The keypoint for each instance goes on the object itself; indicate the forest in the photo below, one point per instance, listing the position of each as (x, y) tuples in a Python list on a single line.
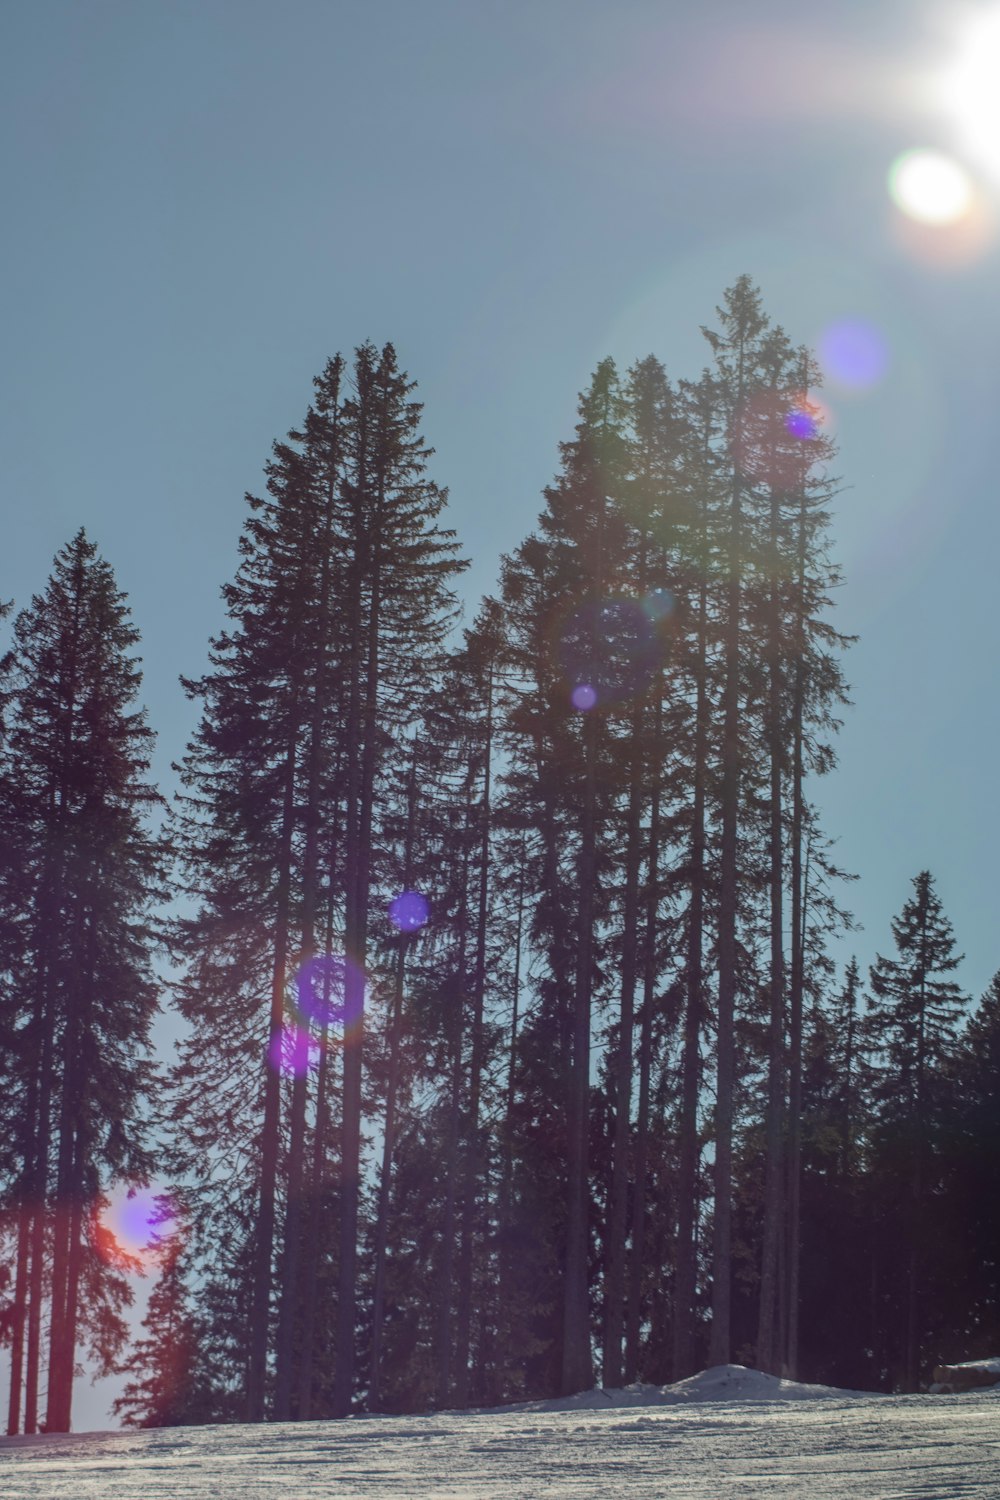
[(515, 1048)]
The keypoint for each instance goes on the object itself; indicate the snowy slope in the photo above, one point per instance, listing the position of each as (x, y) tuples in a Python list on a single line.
[(725, 1435)]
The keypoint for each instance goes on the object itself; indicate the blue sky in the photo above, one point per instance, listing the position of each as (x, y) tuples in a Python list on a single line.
[(202, 201)]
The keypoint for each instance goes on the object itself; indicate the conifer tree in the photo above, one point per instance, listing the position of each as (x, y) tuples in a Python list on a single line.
[(164, 1364), (912, 1024), (80, 872), (338, 614)]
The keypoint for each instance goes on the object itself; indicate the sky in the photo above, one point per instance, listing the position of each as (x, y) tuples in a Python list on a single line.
[(205, 199)]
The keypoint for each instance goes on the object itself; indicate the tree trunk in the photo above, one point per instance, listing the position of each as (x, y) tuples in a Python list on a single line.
[(685, 1279), (637, 1259), (797, 986), (472, 1169), (577, 1364), (260, 1317), (719, 1347), (389, 1126), (769, 1353), (358, 897), (614, 1295), (506, 1190)]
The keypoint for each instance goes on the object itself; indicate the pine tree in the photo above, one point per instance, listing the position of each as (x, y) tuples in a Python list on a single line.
[(164, 1364), (338, 614), (80, 873), (912, 1025), (562, 750), (967, 1191)]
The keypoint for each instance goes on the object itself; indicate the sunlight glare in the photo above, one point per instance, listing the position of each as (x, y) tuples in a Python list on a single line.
[(135, 1215), (931, 187), (970, 89)]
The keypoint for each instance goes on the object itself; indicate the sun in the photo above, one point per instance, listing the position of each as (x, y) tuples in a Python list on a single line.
[(931, 187), (969, 89)]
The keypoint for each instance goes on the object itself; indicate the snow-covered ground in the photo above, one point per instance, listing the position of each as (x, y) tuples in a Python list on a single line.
[(723, 1435)]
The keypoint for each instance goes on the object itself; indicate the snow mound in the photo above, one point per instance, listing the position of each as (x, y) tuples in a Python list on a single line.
[(720, 1383), (992, 1365)]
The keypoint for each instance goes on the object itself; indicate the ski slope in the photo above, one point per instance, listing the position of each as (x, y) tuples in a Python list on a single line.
[(722, 1435)]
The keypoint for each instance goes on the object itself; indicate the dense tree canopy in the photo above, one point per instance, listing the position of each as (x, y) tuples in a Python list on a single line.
[(513, 1054)]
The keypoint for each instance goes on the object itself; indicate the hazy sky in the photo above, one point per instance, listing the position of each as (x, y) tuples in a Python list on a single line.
[(203, 199)]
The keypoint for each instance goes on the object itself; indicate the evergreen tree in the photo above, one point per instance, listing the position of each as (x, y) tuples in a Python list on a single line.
[(80, 871), (338, 614), (912, 1028), (164, 1364)]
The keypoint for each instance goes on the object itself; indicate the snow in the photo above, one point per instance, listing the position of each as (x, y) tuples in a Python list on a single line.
[(726, 1434), (992, 1365)]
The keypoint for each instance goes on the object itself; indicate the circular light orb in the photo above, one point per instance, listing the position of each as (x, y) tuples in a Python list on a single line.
[(409, 911), (658, 604), (293, 1052), (931, 187), (802, 424), (134, 1218), (583, 696), (853, 353), (330, 991)]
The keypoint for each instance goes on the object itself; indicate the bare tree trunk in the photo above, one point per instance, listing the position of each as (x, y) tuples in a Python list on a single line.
[(260, 1317), (472, 1167), (318, 1166), (290, 1291), (18, 1320), (63, 1368), (685, 1279), (444, 1326), (311, 1247), (364, 716), (769, 1352), (797, 971), (720, 1345), (614, 1295), (638, 1246), (506, 1190), (577, 1364), (40, 1185), (24, 1230), (389, 1126)]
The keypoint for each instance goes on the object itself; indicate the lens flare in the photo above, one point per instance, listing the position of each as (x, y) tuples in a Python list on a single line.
[(968, 91), (801, 423), (853, 354), (330, 990), (931, 187), (133, 1218), (293, 1052), (658, 605), (409, 911), (765, 423), (608, 650)]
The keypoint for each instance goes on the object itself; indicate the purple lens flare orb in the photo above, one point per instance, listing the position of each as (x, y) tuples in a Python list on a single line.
[(854, 354), (293, 1052), (409, 911), (802, 424), (136, 1217), (329, 990), (583, 696)]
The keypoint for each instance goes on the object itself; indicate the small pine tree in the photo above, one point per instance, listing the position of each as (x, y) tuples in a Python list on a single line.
[(912, 1027), (165, 1362)]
